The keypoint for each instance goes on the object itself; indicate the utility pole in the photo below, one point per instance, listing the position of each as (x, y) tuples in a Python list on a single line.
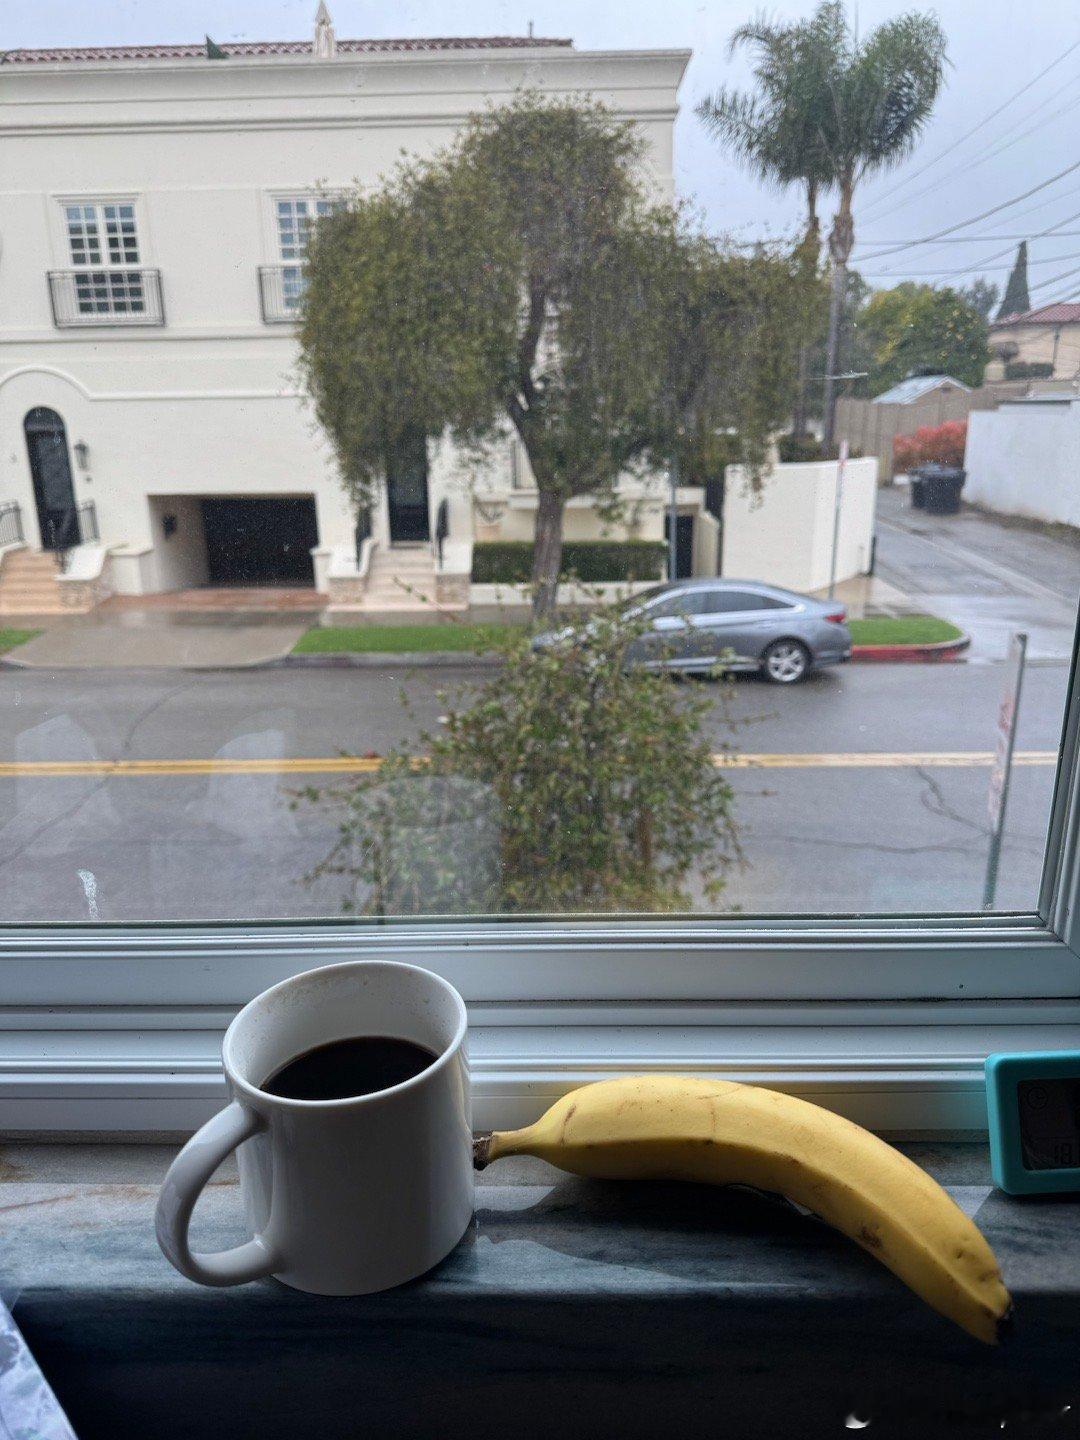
[(838, 500), (1000, 775), (673, 516), (831, 381)]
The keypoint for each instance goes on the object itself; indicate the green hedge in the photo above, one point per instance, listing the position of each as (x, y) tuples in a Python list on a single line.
[(796, 448), (509, 562), (1028, 370)]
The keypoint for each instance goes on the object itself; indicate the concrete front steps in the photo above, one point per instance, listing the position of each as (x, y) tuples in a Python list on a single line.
[(401, 577), (30, 584), (401, 589)]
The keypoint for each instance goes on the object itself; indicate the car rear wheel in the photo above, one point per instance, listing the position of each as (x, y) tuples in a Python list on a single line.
[(786, 662)]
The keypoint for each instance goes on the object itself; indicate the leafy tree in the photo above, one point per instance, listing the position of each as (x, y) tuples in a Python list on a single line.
[(982, 295), (877, 95), (923, 327), (571, 780), (1017, 300), (522, 278), (778, 134), (405, 325)]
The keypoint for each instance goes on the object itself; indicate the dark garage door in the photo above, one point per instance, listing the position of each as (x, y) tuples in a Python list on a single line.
[(260, 540)]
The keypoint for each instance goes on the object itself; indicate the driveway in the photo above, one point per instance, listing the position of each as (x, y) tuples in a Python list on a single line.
[(987, 575)]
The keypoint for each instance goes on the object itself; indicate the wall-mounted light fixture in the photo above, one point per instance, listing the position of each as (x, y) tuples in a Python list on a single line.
[(82, 454)]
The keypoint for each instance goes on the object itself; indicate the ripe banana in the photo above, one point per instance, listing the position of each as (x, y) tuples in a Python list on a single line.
[(671, 1127)]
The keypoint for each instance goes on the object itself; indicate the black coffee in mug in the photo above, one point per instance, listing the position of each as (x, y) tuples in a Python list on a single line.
[(344, 1069)]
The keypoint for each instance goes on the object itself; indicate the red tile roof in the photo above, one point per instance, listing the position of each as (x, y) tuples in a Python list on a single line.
[(273, 47), (1063, 313)]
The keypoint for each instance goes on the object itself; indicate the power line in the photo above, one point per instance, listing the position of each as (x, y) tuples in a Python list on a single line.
[(1028, 210), (985, 214), (914, 175), (989, 154), (1054, 279), (965, 239), (986, 269), (985, 261), (972, 239)]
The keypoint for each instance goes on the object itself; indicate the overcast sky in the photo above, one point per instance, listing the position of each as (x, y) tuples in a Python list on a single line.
[(995, 47)]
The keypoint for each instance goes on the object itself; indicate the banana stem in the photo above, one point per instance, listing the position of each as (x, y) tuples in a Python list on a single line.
[(481, 1149)]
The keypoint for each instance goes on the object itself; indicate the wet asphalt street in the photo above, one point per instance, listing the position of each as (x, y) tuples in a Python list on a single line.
[(822, 830)]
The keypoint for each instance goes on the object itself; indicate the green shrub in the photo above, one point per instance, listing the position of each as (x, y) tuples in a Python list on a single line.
[(1028, 370), (509, 562), (795, 448), (568, 781)]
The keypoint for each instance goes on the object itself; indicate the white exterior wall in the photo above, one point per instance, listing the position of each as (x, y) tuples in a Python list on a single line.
[(784, 536), (208, 404), (1024, 459)]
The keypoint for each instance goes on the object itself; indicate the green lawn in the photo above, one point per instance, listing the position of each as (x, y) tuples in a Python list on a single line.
[(902, 630), (393, 639), (10, 638), (409, 639)]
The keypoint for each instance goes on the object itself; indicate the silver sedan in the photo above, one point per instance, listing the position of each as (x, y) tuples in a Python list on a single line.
[(739, 625)]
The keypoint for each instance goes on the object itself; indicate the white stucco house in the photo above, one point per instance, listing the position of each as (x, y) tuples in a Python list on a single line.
[(155, 206)]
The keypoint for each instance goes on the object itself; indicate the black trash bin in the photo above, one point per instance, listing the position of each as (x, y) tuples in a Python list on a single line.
[(918, 489), (941, 486)]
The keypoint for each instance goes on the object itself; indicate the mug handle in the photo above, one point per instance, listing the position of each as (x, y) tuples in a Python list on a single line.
[(184, 1182)]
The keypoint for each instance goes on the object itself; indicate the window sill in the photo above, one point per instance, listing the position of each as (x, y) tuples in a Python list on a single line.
[(902, 1069), (571, 1309)]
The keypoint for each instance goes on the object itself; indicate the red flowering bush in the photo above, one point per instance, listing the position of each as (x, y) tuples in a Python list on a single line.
[(937, 444), (905, 453)]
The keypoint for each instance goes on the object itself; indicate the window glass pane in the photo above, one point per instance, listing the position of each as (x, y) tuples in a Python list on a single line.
[(687, 602), (86, 223), (515, 381), (719, 601)]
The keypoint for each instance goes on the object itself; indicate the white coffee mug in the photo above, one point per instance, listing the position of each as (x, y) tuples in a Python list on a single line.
[(344, 1197)]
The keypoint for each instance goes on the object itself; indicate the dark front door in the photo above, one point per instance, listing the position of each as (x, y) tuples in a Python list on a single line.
[(50, 468), (260, 540), (684, 544), (407, 489)]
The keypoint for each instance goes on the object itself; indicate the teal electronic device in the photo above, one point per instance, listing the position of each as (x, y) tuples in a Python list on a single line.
[(1033, 1109)]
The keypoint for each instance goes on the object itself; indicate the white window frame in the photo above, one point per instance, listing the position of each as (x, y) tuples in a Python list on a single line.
[(121, 301), (886, 1020), (275, 249)]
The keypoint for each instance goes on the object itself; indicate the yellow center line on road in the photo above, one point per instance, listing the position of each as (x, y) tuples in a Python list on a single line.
[(363, 765)]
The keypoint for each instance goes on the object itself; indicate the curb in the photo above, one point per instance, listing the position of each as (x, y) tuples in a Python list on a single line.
[(939, 652), (382, 660)]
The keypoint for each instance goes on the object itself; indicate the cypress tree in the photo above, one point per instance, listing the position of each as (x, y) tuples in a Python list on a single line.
[(1017, 301)]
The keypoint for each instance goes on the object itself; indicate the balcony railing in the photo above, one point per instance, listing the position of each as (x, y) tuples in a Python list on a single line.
[(11, 531), (281, 292), (106, 297)]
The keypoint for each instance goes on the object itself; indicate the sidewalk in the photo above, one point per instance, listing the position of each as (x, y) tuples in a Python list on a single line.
[(988, 575), (159, 642)]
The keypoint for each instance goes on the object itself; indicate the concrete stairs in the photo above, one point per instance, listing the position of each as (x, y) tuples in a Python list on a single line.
[(29, 583), (401, 578)]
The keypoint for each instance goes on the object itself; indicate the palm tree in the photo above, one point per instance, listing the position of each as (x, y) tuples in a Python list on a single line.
[(778, 132), (831, 110), (880, 92)]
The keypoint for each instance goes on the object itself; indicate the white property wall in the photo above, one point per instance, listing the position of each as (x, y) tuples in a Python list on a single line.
[(1024, 459), (207, 404), (784, 536)]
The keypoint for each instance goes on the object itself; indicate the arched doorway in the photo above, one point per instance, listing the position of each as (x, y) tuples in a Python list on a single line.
[(50, 467)]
